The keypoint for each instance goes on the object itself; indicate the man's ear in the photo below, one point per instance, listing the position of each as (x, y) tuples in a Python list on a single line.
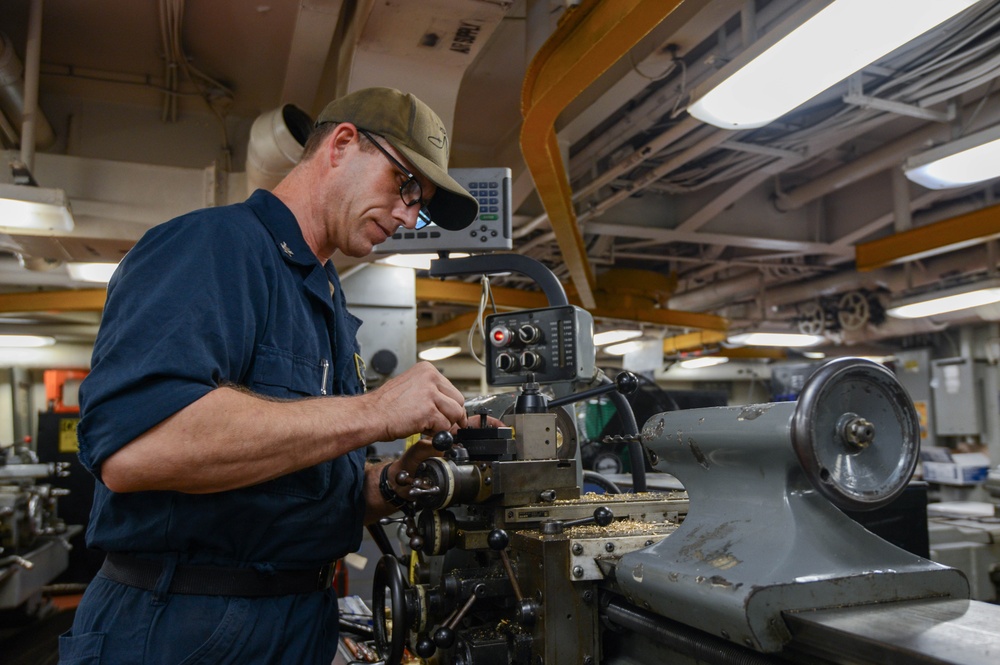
[(339, 141)]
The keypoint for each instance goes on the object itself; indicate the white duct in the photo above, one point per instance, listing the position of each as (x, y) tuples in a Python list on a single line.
[(12, 95), (277, 139)]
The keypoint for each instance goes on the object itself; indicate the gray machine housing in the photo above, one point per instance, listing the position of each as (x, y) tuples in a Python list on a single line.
[(489, 232)]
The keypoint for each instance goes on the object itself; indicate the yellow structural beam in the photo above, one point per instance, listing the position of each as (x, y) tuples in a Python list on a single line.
[(694, 340), (590, 39), (460, 323), (944, 236), (463, 293), (663, 317), (83, 300)]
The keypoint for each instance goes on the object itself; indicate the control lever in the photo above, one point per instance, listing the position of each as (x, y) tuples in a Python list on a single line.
[(444, 636), (527, 609), (625, 382), (602, 517)]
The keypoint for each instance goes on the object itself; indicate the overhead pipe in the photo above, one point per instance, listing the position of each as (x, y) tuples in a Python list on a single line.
[(893, 279), (592, 37), (876, 161), (13, 92), (32, 58)]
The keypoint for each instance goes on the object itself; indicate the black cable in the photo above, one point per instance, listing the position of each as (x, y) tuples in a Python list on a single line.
[(595, 478)]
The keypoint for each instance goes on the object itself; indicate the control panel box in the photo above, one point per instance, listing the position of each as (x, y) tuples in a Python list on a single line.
[(490, 232), (553, 344)]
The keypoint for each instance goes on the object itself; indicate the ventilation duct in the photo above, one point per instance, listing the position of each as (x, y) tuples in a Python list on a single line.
[(277, 139)]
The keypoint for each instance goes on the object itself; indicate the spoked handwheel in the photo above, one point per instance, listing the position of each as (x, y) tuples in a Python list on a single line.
[(389, 642)]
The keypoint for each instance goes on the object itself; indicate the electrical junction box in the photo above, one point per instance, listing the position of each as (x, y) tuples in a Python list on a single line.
[(957, 385), (553, 344), (490, 232)]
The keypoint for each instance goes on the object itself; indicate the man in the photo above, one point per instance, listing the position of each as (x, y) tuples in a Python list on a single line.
[(225, 417)]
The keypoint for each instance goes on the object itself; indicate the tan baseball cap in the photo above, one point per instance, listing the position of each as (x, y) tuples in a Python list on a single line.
[(412, 128)]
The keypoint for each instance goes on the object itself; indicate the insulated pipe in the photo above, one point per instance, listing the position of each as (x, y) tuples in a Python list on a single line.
[(12, 96)]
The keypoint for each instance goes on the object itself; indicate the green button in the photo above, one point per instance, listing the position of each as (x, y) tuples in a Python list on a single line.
[(489, 218)]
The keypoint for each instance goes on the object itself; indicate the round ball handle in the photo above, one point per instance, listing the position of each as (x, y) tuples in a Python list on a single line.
[(388, 575), (443, 441), (626, 383), (444, 637), (425, 647), (498, 539), (603, 516)]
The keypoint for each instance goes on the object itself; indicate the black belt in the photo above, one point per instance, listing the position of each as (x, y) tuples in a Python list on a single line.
[(213, 580)]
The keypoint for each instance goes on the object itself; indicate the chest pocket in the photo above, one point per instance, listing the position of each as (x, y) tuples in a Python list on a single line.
[(284, 375)]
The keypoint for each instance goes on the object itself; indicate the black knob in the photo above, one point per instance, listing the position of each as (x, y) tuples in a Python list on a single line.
[(425, 647), (528, 334), (626, 383), (444, 637), (498, 540), (442, 441), (603, 516), (506, 362), (530, 360)]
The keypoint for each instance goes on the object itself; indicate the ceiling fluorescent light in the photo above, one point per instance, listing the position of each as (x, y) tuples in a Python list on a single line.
[(946, 300), (614, 336), (968, 160), (416, 261), (623, 348), (35, 208), (839, 40), (775, 339), (704, 361), (439, 352), (25, 341), (91, 272)]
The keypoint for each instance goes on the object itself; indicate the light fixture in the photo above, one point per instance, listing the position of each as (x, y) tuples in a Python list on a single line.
[(703, 361), (36, 208), (953, 299), (614, 336), (787, 68), (775, 339), (25, 341), (91, 272), (416, 261), (439, 352), (968, 160), (622, 348)]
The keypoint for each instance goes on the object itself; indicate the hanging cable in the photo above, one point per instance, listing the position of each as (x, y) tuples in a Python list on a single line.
[(485, 298)]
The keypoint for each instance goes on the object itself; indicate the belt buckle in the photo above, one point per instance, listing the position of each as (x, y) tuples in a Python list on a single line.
[(325, 578)]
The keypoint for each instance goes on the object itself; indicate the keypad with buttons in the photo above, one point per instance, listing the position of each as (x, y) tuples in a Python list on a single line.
[(490, 231)]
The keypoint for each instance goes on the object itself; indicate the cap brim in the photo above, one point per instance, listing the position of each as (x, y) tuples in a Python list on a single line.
[(452, 207)]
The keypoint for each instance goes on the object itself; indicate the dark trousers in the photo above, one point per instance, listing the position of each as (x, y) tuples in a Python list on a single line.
[(120, 624)]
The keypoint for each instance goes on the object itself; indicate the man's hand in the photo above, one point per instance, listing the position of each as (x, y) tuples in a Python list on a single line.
[(418, 400)]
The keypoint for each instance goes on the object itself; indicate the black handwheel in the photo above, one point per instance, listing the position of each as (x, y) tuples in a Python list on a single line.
[(388, 575)]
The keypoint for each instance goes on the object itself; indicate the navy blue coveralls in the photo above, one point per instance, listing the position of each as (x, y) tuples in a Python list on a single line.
[(229, 295)]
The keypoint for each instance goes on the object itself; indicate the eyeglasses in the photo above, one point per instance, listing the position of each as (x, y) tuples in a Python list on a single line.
[(410, 191)]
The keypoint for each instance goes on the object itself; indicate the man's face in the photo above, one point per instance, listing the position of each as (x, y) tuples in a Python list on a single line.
[(385, 184)]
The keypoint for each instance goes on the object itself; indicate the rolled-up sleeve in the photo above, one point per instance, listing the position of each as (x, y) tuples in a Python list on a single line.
[(180, 320)]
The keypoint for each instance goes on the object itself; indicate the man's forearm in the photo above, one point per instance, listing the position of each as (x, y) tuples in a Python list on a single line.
[(230, 439)]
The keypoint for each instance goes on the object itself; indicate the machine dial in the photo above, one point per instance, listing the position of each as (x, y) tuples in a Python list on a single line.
[(506, 362), (530, 360), (528, 334)]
